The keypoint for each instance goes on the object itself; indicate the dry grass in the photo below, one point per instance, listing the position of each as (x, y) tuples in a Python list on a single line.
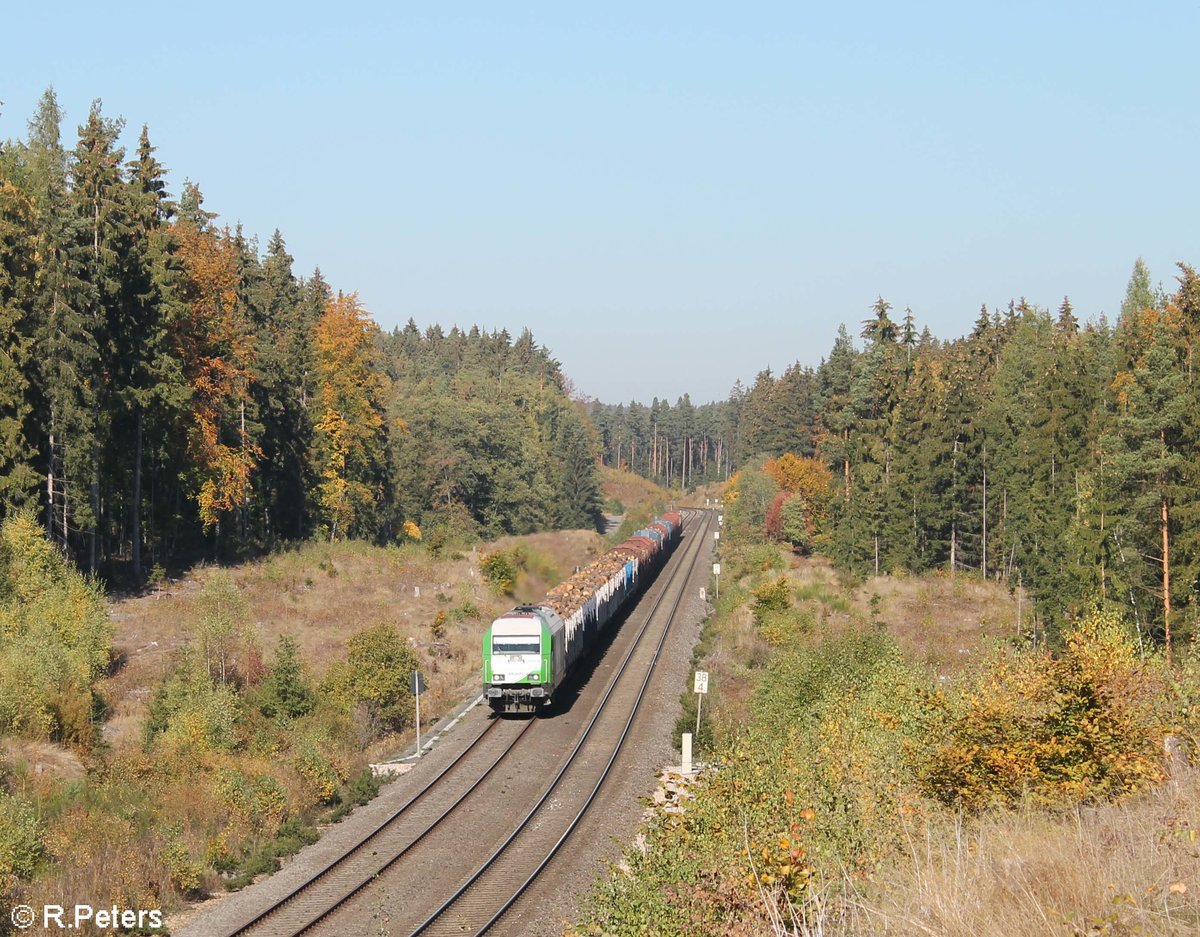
[(629, 488), (43, 760), (940, 620), (703, 496), (321, 594), (1126, 868)]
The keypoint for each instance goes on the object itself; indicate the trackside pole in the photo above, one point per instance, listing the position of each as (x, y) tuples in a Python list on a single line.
[(418, 687)]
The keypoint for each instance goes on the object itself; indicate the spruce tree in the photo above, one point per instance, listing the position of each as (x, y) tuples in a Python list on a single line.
[(66, 350), (18, 476)]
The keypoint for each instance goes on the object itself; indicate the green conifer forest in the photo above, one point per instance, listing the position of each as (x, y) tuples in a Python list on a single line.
[(1050, 454), (170, 391)]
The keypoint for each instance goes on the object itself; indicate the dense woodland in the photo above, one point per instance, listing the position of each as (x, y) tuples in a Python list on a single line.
[(1060, 456), (169, 392)]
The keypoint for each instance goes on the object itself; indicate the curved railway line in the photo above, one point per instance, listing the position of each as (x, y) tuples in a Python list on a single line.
[(400, 860)]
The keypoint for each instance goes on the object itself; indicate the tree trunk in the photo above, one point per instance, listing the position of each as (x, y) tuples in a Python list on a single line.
[(983, 565), (50, 484), (953, 546), (94, 493), (1166, 576), (136, 518), (846, 461)]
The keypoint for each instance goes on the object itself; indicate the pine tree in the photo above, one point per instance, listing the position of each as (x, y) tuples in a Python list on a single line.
[(18, 476), (1139, 293), (150, 390), (66, 351), (1149, 458)]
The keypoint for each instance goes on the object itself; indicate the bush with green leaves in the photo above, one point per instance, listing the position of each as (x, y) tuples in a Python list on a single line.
[(376, 676), (21, 840), (818, 784), (499, 569), (55, 638), (189, 712)]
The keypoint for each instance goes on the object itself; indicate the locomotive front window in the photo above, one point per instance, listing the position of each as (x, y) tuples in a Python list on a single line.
[(517, 644)]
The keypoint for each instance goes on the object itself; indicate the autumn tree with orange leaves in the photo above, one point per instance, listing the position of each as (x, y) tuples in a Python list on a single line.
[(805, 491), (216, 351)]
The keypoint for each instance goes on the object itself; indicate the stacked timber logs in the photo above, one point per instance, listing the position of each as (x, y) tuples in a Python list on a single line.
[(570, 595), (643, 548)]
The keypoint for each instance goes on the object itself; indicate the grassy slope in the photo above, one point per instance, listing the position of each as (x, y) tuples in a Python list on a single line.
[(1111, 868), (321, 594), (631, 489)]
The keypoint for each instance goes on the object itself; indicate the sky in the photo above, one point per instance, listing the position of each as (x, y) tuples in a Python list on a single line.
[(672, 196)]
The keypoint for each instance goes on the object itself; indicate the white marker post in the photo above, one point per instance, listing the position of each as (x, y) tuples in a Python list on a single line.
[(418, 687), (717, 573), (701, 689)]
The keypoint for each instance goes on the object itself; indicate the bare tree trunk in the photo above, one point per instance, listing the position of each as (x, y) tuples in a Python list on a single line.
[(50, 484), (983, 566), (136, 519), (953, 546), (1166, 576), (846, 461), (93, 556)]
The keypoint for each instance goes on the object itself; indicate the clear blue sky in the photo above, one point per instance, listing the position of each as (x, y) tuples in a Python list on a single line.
[(673, 195)]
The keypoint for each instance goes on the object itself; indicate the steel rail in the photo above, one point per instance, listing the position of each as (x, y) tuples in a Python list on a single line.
[(684, 571), (380, 828), (262, 919)]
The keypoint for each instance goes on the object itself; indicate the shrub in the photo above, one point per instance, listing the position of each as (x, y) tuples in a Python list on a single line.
[(376, 674), (184, 874), (773, 596), (467, 611), (258, 803), (189, 713), (55, 638), (499, 570), (1080, 726), (21, 840), (320, 774)]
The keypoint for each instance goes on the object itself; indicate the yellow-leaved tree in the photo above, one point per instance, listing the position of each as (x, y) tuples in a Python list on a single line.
[(350, 425), (1087, 723)]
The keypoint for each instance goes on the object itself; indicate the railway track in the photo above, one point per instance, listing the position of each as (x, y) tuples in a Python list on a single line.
[(504, 876), (390, 840), (508, 760)]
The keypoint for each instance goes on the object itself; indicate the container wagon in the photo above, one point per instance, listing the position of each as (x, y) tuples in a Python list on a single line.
[(529, 651)]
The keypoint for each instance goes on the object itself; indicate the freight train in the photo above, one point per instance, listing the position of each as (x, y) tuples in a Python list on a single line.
[(529, 651)]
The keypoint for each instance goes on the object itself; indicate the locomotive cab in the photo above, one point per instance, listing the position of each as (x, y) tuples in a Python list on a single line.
[(518, 672)]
